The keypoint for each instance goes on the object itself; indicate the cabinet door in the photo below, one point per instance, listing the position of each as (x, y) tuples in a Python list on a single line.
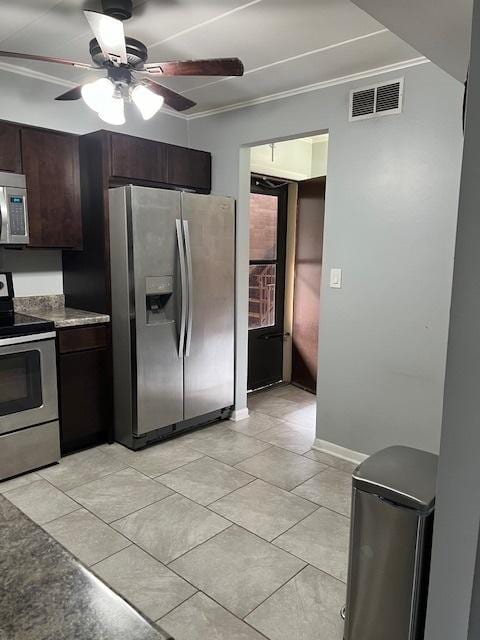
[(52, 168), (10, 153), (138, 159), (85, 398), (189, 168)]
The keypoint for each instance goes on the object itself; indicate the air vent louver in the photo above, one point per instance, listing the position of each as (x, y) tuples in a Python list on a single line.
[(377, 100), (363, 103)]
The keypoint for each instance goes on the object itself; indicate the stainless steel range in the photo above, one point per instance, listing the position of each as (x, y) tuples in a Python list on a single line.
[(29, 428)]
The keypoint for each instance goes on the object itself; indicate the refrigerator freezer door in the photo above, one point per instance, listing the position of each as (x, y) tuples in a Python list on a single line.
[(159, 369), (209, 365)]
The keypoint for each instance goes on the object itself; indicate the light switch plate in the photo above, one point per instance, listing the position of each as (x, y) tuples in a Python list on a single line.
[(336, 278)]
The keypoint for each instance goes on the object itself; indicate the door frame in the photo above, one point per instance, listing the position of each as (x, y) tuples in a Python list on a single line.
[(281, 192)]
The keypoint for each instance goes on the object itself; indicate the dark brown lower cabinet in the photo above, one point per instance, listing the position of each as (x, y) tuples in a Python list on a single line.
[(84, 386)]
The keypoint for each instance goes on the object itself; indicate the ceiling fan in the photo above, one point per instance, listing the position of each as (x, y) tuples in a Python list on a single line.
[(129, 76)]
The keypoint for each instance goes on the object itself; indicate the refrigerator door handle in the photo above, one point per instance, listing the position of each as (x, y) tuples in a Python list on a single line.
[(183, 280), (188, 252)]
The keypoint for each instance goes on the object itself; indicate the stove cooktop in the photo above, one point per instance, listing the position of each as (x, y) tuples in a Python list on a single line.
[(18, 324)]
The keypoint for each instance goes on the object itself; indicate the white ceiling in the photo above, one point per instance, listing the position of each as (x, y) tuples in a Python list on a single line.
[(440, 29), (285, 44)]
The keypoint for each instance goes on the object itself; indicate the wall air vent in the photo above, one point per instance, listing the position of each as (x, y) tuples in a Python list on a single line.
[(377, 100)]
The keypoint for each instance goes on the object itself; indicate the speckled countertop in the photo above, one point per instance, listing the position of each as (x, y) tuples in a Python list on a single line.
[(47, 593), (53, 308)]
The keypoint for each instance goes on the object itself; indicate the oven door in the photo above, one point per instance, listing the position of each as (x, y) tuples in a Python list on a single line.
[(28, 381)]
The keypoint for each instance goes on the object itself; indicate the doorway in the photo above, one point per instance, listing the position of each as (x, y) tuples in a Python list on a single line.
[(287, 205)]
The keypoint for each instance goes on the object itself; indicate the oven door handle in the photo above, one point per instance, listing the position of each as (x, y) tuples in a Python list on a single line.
[(7, 342)]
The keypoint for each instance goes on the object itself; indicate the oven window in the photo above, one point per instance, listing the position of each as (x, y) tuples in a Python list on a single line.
[(20, 382)]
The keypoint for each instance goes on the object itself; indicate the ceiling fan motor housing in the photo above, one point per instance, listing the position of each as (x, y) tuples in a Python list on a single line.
[(137, 53), (120, 9)]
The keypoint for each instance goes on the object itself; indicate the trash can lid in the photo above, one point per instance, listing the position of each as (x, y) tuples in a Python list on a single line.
[(403, 475)]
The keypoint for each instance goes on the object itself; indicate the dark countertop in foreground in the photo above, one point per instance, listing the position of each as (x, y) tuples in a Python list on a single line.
[(47, 594)]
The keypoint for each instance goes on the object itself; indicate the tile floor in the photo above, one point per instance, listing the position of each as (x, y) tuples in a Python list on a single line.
[(238, 531)]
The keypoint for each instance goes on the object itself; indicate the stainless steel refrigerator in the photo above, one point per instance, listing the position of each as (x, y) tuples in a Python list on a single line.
[(172, 276)]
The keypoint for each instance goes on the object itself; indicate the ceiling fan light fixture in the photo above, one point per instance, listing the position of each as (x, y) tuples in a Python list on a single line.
[(113, 111), (97, 94), (147, 102)]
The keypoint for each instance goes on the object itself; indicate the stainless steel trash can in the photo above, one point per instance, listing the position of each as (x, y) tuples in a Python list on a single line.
[(390, 545)]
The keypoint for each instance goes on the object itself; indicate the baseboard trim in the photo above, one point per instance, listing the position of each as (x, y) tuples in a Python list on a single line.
[(339, 452), (239, 414)]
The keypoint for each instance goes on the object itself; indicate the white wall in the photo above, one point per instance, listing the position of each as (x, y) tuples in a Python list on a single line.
[(300, 159), (35, 271), (391, 207), (30, 101)]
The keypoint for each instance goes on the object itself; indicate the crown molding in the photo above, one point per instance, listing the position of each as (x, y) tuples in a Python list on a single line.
[(36, 75), (317, 86)]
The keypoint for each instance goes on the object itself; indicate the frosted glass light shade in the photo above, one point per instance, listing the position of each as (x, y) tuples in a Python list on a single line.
[(148, 103), (113, 111), (97, 94)]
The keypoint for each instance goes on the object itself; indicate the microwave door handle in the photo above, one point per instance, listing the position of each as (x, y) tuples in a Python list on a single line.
[(3, 217), (188, 252), (183, 280)]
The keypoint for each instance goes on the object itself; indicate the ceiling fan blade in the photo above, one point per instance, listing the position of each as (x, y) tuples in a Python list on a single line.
[(109, 34), (29, 56), (172, 98), (210, 67), (72, 94)]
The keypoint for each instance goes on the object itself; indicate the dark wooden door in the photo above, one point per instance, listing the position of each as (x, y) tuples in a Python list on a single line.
[(268, 230), (10, 151), (52, 168), (138, 159), (308, 272)]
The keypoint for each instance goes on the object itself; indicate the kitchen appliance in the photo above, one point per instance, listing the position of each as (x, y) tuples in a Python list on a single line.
[(13, 209), (172, 275), (29, 428)]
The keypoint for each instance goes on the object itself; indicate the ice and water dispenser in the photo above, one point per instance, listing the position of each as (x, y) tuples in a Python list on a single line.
[(160, 299)]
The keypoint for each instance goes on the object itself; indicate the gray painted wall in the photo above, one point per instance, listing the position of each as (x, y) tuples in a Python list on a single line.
[(391, 205), (457, 516)]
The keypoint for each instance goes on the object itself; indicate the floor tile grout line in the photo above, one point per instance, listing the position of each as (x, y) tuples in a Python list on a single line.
[(170, 495), (239, 526), (110, 473), (206, 506), (319, 506), (276, 590), (110, 586), (204, 455), (313, 565), (217, 603), (231, 524), (210, 455)]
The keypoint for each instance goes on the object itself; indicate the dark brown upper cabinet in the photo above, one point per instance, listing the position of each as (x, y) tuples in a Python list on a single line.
[(10, 150), (138, 159), (144, 160), (52, 168), (189, 168)]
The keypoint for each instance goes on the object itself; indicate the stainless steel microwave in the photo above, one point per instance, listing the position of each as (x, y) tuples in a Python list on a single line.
[(13, 209)]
